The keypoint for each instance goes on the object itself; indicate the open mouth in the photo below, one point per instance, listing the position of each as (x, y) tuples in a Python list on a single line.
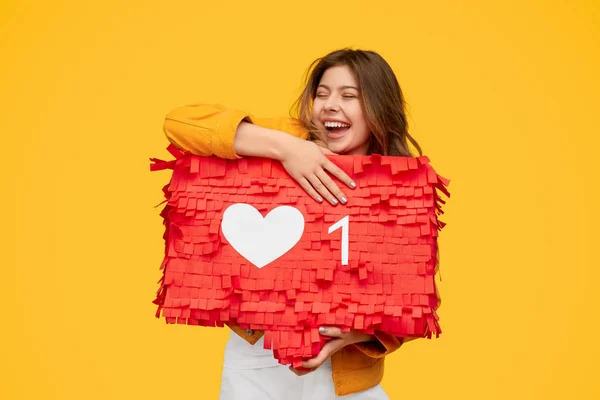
[(336, 129)]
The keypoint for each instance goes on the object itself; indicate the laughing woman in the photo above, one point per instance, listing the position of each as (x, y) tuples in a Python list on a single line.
[(351, 104)]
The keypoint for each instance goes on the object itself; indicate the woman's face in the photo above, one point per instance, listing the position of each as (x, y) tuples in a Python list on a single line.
[(337, 110)]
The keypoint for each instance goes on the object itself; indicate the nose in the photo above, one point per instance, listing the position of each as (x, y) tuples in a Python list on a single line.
[(332, 104)]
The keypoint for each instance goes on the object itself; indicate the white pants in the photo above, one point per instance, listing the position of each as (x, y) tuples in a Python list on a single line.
[(252, 373)]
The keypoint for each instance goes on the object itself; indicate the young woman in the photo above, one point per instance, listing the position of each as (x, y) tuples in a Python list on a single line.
[(352, 104)]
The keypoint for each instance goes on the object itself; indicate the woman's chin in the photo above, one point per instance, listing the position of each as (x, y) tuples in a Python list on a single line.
[(339, 147), (337, 150), (348, 149)]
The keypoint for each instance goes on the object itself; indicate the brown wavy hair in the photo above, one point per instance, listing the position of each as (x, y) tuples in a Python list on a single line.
[(380, 95)]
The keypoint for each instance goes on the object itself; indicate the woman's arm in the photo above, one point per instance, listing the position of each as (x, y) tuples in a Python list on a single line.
[(377, 345), (259, 141), (208, 130)]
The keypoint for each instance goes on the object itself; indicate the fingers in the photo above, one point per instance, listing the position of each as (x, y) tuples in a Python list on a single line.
[(327, 351), (339, 174), (316, 182), (331, 186), (330, 331), (301, 372), (309, 167), (305, 184), (348, 337), (331, 347)]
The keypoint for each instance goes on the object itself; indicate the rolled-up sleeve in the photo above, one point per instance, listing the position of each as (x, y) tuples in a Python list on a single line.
[(204, 130), (382, 346)]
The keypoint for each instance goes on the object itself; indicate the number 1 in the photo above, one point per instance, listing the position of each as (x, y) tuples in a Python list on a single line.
[(343, 223)]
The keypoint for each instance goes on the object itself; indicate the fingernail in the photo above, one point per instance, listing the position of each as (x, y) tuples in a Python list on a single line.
[(322, 330), (319, 199), (352, 185), (334, 200), (344, 199)]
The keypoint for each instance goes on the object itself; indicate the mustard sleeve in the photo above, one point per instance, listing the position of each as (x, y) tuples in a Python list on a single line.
[(209, 129), (204, 130), (383, 345)]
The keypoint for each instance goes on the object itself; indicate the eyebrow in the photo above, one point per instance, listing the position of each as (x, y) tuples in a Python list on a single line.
[(341, 87)]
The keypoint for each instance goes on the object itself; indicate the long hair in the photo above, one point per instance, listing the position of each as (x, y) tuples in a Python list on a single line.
[(380, 95)]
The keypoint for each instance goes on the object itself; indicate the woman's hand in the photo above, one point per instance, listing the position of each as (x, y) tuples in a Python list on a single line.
[(342, 339), (306, 163)]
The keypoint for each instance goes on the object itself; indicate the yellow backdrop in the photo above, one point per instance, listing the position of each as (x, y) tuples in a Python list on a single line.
[(503, 98)]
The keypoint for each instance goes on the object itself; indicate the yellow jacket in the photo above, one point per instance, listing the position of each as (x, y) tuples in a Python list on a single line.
[(209, 130)]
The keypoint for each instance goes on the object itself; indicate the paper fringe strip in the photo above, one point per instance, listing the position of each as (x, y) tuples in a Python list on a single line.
[(387, 286)]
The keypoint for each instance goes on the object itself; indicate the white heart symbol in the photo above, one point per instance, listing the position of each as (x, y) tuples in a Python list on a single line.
[(262, 240)]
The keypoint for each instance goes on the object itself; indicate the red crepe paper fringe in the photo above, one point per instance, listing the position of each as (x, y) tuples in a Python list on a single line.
[(388, 285)]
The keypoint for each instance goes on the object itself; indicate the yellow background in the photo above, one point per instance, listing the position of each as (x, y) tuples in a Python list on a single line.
[(503, 98)]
